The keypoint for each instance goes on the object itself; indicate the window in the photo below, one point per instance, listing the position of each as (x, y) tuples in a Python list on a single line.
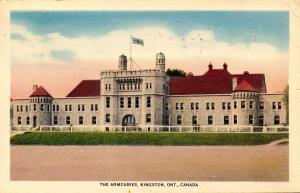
[(235, 119), (129, 102), (137, 102), (54, 108), (19, 120), (68, 120), (148, 118), (194, 120), (229, 106), (276, 120), (261, 105), (96, 107), (251, 105), (42, 107), (146, 85), (107, 102), (150, 85), (207, 106), (28, 120), (21, 108), (167, 119), (107, 118), (176, 106), (92, 107), (197, 106), (121, 102), (48, 107), (26, 108), (34, 107), (55, 120), (80, 120), (82, 107), (210, 120), (78, 107), (223, 106), (261, 120), (279, 105), (178, 119), (274, 105), (243, 104), (148, 102), (212, 106), (166, 106), (181, 106), (66, 107), (250, 119), (17, 108), (94, 120), (234, 104), (192, 106), (226, 120)]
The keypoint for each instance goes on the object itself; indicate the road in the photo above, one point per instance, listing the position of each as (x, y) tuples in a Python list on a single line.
[(200, 163)]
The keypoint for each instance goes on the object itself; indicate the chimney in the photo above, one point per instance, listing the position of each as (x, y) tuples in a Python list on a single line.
[(34, 87), (234, 83), (225, 66), (210, 66)]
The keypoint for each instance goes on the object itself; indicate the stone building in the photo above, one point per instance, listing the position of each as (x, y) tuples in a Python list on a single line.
[(146, 99)]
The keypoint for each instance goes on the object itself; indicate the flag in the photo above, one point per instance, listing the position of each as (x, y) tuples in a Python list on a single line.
[(137, 41)]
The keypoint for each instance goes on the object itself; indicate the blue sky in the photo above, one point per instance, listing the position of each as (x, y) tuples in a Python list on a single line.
[(61, 43), (270, 27)]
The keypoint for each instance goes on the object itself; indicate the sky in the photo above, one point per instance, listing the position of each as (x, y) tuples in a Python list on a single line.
[(59, 49)]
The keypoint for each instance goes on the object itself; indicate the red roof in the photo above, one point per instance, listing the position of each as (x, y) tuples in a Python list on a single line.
[(86, 88), (217, 72), (40, 92), (214, 81), (245, 86)]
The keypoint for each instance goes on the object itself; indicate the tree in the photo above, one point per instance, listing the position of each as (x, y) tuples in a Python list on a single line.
[(286, 102), (286, 96), (176, 72)]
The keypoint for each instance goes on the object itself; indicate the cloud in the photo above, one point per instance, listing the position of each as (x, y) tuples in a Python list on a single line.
[(197, 43), (62, 55), (191, 52)]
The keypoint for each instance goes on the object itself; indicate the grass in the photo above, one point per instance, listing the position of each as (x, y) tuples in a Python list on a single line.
[(106, 138)]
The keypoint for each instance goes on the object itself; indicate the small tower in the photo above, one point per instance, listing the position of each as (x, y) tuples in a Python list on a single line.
[(160, 61), (122, 62), (41, 103)]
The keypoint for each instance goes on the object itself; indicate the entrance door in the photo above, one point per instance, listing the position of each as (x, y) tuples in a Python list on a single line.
[(34, 121), (129, 120)]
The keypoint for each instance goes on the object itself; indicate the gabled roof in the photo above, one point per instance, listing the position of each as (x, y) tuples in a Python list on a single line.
[(40, 92), (86, 88), (214, 81), (245, 86)]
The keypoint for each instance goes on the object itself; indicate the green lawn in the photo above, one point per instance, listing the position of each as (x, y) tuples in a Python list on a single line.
[(106, 138)]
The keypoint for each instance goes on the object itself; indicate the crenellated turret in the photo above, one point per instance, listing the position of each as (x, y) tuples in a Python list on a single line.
[(160, 61), (122, 62)]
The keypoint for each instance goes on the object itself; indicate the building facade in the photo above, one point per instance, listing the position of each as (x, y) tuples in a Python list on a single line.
[(144, 99)]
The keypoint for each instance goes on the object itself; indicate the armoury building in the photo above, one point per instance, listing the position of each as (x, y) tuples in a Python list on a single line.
[(145, 99)]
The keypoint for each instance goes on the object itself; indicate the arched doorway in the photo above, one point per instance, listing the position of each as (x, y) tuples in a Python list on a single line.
[(129, 120)]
